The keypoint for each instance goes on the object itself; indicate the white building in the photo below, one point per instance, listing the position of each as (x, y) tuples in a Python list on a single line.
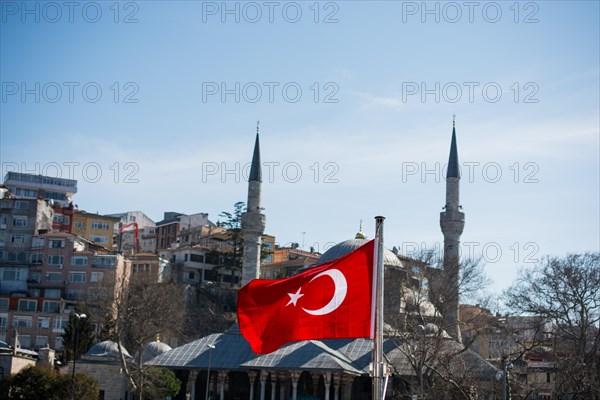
[(146, 232)]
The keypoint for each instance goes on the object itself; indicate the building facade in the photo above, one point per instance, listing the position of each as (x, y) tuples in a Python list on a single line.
[(30, 186), (128, 240), (168, 230), (36, 299), (95, 227)]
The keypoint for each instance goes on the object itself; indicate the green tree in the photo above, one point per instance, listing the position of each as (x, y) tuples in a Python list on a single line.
[(36, 383), (161, 383), (81, 327), (233, 224), (82, 388), (233, 258), (32, 383)]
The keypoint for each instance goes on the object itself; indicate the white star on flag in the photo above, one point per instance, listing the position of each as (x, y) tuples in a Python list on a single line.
[(294, 297)]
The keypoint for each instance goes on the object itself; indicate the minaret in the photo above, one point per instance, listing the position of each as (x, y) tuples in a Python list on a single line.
[(253, 222), (452, 222)]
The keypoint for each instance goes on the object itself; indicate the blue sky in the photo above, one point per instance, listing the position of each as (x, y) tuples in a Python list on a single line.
[(355, 101)]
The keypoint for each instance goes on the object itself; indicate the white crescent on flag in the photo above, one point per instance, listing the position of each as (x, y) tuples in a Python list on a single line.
[(341, 288)]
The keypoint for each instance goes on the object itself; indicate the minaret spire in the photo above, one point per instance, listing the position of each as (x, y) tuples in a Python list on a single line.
[(253, 221), (255, 170), (452, 222), (453, 167)]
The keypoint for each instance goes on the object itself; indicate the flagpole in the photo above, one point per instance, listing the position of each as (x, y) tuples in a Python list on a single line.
[(378, 336)]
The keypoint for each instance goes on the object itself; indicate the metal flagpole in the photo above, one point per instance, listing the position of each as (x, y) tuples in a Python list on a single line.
[(378, 335)]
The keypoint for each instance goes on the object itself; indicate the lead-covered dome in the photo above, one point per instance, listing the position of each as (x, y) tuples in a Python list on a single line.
[(153, 349), (345, 247), (107, 348)]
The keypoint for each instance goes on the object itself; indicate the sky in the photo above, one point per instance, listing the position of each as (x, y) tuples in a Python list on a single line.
[(153, 106)]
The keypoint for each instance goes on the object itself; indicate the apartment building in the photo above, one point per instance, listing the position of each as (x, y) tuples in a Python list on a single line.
[(95, 227), (168, 230), (20, 221), (35, 299), (125, 232), (31, 186)]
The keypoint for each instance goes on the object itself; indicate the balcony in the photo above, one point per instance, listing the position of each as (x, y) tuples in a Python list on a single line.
[(47, 284)]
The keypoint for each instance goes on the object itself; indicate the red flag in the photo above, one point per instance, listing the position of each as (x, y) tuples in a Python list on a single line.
[(331, 300)]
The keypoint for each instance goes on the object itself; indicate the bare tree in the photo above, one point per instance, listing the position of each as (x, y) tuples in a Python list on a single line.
[(138, 308), (441, 366), (566, 292)]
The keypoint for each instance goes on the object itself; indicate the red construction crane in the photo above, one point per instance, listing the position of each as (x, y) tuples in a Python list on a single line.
[(137, 234)]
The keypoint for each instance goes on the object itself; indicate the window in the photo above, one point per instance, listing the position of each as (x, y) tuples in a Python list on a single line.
[(51, 306), (79, 260), (16, 256), (77, 277), (56, 243), (19, 221), (74, 294), (55, 260), (37, 242), (25, 192), (59, 323), (185, 257), (99, 225), (197, 258), (12, 274), (43, 322), (34, 277), (191, 276), (96, 276), (4, 304), (132, 218), (80, 224), (58, 343), (41, 341), (52, 293), (3, 321), (27, 305), (99, 239), (17, 238), (54, 277), (25, 341), (21, 321), (104, 261), (57, 218), (37, 258)]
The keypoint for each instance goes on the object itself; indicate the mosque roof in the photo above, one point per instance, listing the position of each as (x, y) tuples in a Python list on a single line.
[(106, 349), (153, 349), (351, 356), (345, 247)]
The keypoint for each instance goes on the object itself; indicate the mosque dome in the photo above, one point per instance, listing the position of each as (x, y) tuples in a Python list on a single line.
[(345, 247), (153, 349), (107, 348)]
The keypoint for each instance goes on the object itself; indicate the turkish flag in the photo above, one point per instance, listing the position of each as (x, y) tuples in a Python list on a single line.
[(331, 300)]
